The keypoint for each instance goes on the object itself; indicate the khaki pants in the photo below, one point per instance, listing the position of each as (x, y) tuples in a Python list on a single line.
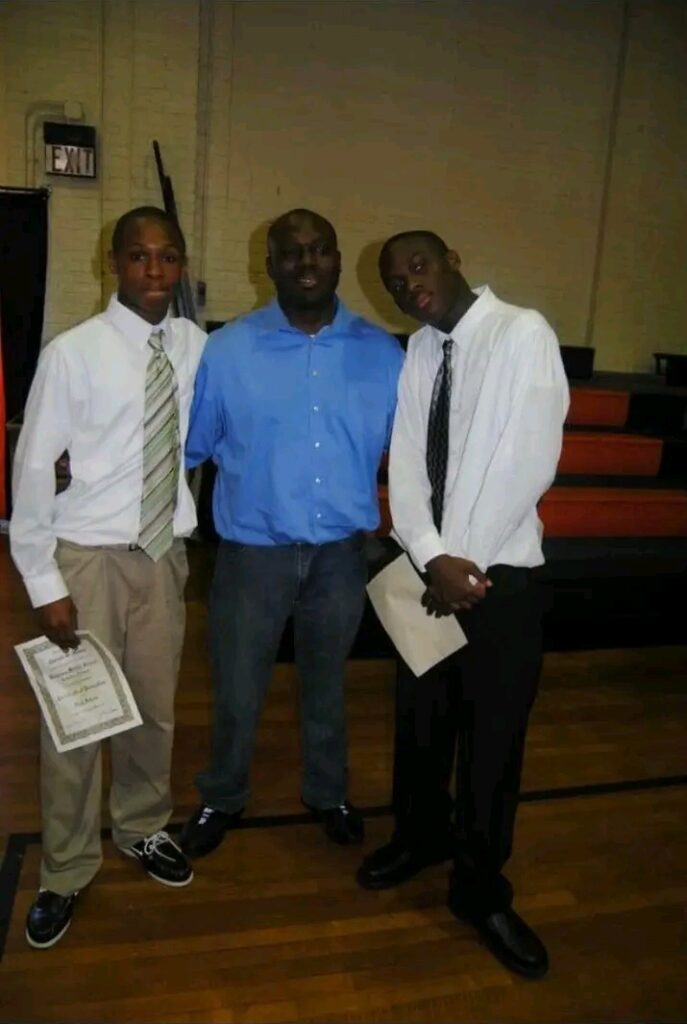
[(136, 607)]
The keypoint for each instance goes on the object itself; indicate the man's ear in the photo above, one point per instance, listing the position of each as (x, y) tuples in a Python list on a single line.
[(268, 267), (453, 259), (112, 262)]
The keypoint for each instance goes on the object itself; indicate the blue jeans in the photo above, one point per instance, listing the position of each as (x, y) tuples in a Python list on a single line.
[(254, 591)]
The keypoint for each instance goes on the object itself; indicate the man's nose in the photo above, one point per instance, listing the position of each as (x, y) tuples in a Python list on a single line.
[(154, 267)]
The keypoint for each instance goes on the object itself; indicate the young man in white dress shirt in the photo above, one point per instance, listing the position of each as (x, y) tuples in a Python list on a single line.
[(108, 555), (476, 442)]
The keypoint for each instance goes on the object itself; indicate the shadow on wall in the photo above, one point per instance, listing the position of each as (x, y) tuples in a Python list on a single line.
[(257, 273), (386, 313), (100, 267), (367, 272)]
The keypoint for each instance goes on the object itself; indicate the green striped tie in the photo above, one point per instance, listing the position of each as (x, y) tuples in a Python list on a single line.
[(161, 453)]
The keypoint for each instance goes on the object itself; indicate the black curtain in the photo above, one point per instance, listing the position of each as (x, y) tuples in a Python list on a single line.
[(23, 265)]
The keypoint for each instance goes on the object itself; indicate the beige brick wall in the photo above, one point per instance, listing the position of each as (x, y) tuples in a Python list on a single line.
[(484, 121), (150, 56), (642, 302), (4, 147), (487, 121), (52, 55), (132, 64)]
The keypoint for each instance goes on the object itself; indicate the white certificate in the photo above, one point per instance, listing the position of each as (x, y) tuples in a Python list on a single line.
[(82, 694), (422, 640)]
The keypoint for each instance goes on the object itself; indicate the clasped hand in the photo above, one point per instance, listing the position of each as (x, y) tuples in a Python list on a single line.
[(455, 584)]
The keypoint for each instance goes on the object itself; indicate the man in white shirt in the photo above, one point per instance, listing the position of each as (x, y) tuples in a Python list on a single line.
[(108, 555), (476, 442)]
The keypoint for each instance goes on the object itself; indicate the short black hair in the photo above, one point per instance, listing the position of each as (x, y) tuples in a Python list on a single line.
[(285, 220), (147, 213), (437, 243)]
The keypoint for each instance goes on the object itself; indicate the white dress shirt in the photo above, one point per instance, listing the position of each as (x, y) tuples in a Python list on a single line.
[(508, 402), (88, 397)]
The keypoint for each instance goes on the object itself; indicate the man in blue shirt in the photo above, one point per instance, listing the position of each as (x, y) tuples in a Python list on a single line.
[(294, 403)]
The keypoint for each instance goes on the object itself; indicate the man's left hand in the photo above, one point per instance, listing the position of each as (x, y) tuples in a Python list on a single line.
[(435, 606)]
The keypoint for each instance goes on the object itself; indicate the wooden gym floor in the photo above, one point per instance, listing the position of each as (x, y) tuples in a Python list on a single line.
[(274, 927)]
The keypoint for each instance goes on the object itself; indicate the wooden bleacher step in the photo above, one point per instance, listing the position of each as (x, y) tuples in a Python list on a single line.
[(599, 512), (613, 482), (614, 512), (594, 452), (611, 454), (594, 407)]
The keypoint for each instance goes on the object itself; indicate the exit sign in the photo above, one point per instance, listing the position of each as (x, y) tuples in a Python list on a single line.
[(69, 149)]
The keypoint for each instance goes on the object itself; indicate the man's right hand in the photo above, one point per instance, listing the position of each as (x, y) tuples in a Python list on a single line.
[(59, 622), (450, 579)]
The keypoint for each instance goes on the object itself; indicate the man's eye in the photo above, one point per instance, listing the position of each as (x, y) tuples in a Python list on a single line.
[(322, 250), (136, 257), (418, 266), (397, 287), (170, 257)]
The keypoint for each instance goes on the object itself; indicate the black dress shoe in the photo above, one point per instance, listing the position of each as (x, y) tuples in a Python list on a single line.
[(205, 830), (342, 824), (510, 940), (49, 918), (395, 863)]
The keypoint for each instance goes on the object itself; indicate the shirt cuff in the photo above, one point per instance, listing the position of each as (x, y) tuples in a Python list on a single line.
[(46, 588), (426, 548)]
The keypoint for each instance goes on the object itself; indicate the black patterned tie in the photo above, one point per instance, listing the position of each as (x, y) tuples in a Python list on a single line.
[(437, 434)]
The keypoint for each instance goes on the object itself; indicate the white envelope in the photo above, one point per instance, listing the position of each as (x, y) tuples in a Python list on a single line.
[(422, 640)]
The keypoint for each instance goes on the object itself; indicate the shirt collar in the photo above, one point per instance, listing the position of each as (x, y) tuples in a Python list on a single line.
[(130, 324), (274, 320), (462, 333)]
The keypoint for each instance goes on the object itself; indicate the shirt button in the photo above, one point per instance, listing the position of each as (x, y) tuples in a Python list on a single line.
[(317, 480), (315, 408), (318, 516), (314, 373), (317, 444)]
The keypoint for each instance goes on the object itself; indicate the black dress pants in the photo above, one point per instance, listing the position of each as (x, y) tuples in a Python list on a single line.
[(473, 709)]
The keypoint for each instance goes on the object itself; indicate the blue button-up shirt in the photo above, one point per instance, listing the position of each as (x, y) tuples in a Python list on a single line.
[(295, 424)]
